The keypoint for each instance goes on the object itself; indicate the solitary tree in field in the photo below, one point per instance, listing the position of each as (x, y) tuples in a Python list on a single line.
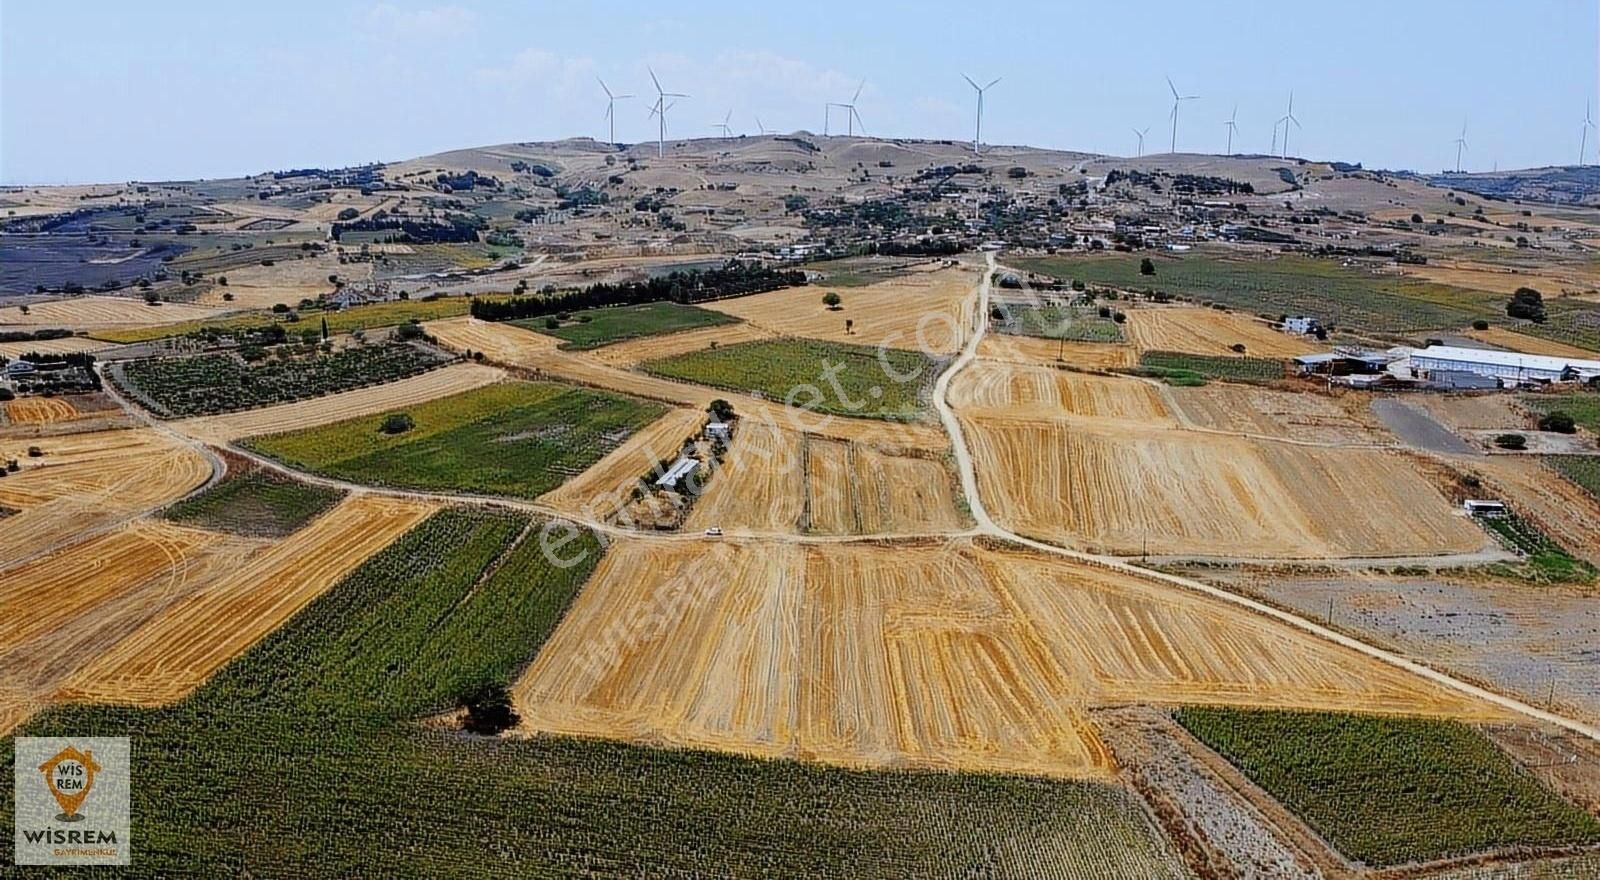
[(489, 709), (1146, 267), (831, 300), (1527, 304), (396, 423)]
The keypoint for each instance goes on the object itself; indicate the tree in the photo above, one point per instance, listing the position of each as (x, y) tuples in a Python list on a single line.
[(1511, 441), (1527, 304), (324, 328), (721, 408), (489, 709), (831, 300), (1559, 422), (1146, 267), (397, 423), (1480, 324), (409, 331), (1416, 218)]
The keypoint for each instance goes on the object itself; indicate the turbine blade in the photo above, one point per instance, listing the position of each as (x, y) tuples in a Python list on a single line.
[(1173, 88), (992, 82), (858, 91), (653, 79), (975, 85), (604, 89)]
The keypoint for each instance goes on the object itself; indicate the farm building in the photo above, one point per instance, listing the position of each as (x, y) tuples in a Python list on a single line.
[(675, 475), (1342, 363), (719, 431), (1508, 366), (1300, 324), (20, 368)]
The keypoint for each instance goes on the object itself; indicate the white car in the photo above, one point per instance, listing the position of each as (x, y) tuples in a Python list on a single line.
[(714, 532)]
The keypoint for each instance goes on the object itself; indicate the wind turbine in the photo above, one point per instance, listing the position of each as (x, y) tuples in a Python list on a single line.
[(1588, 123), (1177, 99), (1233, 128), (727, 130), (977, 132), (660, 109), (1275, 126), (611, 104), (1140, 135), (1461, 144), (761, 128), (851, 117), (1285, 120)]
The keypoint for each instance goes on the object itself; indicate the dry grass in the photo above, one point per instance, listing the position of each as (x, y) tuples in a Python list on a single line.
[(924, 312), (1127, 489), (1209, 331), (102, 312), (1032, 350), (88, 481), (287, 281), (947, 656), (179, 649), (1302, 416), (64, 345), (39, 410), (1043, 391), (433, 384)]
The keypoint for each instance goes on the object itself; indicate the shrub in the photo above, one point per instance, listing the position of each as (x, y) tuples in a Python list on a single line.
[(1480, 324), (1558, 422), (721, 408), (1511, 441), (551, 323), (489, 710), (396, 423), (831, 300), (1527, 304), (1146, 267)]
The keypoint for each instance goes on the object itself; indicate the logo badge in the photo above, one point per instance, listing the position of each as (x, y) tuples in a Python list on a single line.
[(72, 796), (70, 777)]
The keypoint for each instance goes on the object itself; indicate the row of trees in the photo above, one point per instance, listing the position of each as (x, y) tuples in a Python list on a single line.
[(735, 278)]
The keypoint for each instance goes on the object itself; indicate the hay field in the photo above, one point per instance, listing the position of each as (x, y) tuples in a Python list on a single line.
[(255, 286), (775, 480), (1511, 339), (39, 410), (88, 481), (925, 312), (64, 345), (179, 649), (1044, 391), (937, 655), (309, 413), (1301, 416), (514, 346), (60, 611), (1128, 491), (1033, 350), (604, 487), (102, 312), (1209, 331), (633, 351)]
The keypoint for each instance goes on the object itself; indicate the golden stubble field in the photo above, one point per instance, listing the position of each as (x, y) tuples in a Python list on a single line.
[(916, 654), (101, 313), (1210, 332)]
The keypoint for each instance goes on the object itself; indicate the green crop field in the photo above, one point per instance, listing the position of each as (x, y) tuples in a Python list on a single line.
[(254, 502), (1544, 560), (1346, 298), (305, 758), (368, 317), (1583, 406), (827, 377), (518, 439), (1242, 369), (593, 328), (1073, 323), (1388, 791), (1581, 469), (207, 384)]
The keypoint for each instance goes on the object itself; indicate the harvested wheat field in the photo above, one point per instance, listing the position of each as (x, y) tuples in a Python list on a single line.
[(1209, 331), (647, 348), (102, 312), (64, 345), (39, 410), (1300, 416), (937, 655), (85, 482), (1034, 350), (605, 487), (516, 347), (776, 480), (1106, 488), (178, 650), (1045, 391), (62, 610), (1511, 339), (309, 413), (926, 312)]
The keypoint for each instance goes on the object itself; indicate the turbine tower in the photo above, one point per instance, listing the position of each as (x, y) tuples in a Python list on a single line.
[(727, 130), (761, 128), (1583, 141), (1139, 151), (1461, 144), (1177, 99), (977, 132), (1233, 128), (1285, 120), (660, 110), (611, 106), (851, 117)]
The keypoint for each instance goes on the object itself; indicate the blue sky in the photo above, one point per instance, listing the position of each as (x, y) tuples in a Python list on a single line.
[(101, 91)]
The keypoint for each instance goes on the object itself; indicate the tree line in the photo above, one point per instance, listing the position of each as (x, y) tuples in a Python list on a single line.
[(735, 278)]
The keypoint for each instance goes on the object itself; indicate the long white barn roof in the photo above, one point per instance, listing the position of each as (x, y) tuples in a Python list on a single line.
[(1505, 358)]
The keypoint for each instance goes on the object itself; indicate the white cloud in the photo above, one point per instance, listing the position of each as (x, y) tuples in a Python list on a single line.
[(435, 21)]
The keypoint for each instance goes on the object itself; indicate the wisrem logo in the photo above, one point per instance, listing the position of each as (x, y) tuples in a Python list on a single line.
[(72, 797)]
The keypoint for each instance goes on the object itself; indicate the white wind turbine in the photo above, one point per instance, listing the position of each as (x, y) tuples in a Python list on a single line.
[(1461, 144), (977, 132), (762, 128), (1233, 128), (851, 117), (1139, 151), (1583, 141), (1177, 100), (1285, 120), (727, 130), (611, 104), (660, 110)]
